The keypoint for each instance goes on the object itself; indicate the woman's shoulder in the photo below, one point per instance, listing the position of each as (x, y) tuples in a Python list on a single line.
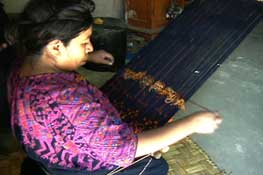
[(51, 79), (64, 87)]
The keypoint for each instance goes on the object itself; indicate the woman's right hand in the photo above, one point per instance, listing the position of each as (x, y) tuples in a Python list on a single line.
[(205, 122), (156, 139)]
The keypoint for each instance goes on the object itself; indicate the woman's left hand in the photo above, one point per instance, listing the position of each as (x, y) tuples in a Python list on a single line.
[(3, 46), (101, 57)]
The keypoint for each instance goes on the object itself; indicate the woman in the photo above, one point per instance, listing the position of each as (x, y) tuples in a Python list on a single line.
[(63, 122)]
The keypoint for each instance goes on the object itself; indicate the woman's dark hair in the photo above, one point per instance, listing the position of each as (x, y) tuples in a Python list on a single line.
[(45, 20), (3, 22)]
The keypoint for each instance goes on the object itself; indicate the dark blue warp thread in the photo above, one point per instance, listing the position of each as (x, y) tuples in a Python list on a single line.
[(183, 56)]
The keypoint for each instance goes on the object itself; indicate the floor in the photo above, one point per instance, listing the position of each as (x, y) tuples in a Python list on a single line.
[(236, 91)]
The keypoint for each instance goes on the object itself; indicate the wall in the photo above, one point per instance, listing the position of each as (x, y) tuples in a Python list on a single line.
[(109, 8), (14, 6)]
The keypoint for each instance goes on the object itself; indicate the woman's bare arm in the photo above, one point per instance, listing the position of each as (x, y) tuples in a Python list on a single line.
[(156, 139)]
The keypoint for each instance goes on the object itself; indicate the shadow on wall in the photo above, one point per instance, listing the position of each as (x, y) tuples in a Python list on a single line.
[(8, 143)]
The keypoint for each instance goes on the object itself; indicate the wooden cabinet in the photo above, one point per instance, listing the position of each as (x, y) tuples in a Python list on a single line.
[(147, 16)]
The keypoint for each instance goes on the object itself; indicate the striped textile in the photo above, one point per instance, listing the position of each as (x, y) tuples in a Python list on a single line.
[(173, 66)]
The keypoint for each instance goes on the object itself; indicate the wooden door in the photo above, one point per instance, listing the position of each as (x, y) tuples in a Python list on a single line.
[(148, 14)]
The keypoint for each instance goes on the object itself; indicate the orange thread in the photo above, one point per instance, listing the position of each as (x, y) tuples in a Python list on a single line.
[(172, 97)]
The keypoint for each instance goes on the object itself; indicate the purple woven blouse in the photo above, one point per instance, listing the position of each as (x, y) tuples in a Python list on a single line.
[(64, 122)]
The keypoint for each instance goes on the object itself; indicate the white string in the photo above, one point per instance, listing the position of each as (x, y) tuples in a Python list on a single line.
[(146, 166), (122, 168)]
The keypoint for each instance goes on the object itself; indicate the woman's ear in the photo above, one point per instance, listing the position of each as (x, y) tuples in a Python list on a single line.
[(55, 48)]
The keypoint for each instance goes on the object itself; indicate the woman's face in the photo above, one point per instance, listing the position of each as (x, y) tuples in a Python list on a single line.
[(76, 52)]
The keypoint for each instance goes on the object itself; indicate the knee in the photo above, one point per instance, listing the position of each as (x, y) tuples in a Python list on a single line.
[(164, 165), (160, 166)]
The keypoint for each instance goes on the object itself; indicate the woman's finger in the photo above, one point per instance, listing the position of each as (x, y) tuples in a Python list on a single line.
[(166, 149)]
